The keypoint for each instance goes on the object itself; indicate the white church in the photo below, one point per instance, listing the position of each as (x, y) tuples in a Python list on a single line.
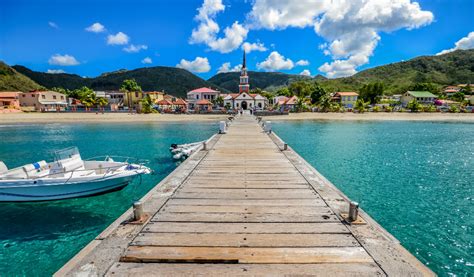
[(244, 99)]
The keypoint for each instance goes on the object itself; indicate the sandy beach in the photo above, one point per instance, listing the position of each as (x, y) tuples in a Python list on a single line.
[(32, 118)]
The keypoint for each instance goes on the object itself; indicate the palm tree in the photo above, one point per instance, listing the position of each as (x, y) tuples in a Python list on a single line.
[(89, 100), (102, 102), (325, 102), (360, 106)]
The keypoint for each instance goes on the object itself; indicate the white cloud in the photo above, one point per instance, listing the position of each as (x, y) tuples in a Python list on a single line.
[(351, 27), (147, 60), (55, 71), (53, 25), (226, 67), (274, 62), (464, 43), (249, 47), (135, 48), (302, 62), (199, 65), (208, 29), (118, 39), (305, 72), (96, 28), (64, 60)]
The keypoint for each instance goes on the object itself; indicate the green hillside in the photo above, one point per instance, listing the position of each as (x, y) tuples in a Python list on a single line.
[(11, 80), (263, 80), (175, 81), (452, 68)]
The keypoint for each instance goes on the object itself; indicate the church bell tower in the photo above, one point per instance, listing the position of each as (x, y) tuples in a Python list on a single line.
[(244, 78)]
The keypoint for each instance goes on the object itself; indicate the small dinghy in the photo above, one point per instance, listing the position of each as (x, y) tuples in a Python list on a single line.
[(67, 177), (183, 151)]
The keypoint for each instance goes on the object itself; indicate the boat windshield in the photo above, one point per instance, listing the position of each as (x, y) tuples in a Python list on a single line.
[(66, 153)]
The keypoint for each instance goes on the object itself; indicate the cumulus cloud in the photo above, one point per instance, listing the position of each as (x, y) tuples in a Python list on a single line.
[(249, 47), (351, 27), (63, 60), (208, 29), (305, 72), (463, 44), (226, 67), (302, 62), (118, 39), (96, 28), (147, 60), (55, 71), (198, 65), (135, 48), (53, 25), (275, 61)]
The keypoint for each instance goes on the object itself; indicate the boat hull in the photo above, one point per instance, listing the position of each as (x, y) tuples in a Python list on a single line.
[(39, 190)]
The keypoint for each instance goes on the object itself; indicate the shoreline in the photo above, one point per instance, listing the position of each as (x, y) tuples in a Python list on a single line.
[(39, 118)]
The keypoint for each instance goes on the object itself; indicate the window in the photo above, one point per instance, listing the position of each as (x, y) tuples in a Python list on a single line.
[(197, 96), (259, 105), (237, 105), (43, 96), (136, 94), (54, 96), (62, 97)]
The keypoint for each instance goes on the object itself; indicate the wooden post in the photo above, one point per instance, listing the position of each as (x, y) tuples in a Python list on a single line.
[(204, 146), (285, 146), (353, 211), (138, 212)]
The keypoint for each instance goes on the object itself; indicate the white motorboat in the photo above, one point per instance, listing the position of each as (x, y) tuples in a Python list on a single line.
[(69, 176), (183, 151)]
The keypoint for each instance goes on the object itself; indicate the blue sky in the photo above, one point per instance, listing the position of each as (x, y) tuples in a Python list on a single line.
[(332, 38)]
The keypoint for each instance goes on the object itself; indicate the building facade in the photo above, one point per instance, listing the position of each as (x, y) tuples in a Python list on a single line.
[(44, 101), (422, 97), (347, 99), (10, 99), (244, 99), (201, 94)]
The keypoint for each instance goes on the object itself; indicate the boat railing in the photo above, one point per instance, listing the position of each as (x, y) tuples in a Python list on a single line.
[(120, 159)]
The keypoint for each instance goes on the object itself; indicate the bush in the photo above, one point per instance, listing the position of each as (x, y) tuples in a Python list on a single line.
[(414, 106), (376, 109), (453, 109)]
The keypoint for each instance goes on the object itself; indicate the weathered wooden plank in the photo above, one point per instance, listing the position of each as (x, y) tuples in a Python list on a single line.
[(225, 185), (247, 255), (248, 202), (245, 240), (234, 217), (294, 210), (246, 195), (169, 269), (247, 227)]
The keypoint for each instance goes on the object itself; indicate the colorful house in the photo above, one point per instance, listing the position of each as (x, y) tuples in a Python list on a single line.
[(422, 97), (132, 99), (155, 96), (203, 93), (44, 100), (9, 100), (346, 99)]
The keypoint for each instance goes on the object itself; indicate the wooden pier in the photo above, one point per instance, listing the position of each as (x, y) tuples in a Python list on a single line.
[(245, 206)]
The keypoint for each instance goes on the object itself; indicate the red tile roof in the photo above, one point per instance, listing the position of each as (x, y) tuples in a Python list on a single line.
[(180, 102), (164, 102), (203, 102), (292, 101), (203, 89), (9, 94), (347, 93)]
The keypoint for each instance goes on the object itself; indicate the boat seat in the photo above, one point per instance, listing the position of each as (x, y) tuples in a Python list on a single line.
[(74, 163), (34, 169)]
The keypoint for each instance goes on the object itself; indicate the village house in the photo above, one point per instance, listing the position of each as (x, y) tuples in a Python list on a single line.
[(451, 90), (422, 97), (155, 96), (9, 100), (203, 93), (132, 99), (346, 99), (43, 101), (244, 99)]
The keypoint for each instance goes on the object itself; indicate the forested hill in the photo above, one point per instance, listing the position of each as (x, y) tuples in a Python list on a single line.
[(11, 80), (172, 80)]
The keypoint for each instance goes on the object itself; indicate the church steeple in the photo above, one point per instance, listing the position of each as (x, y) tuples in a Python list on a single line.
[(244, 79)]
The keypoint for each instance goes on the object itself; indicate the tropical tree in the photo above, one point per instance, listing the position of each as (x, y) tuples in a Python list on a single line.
[(88, 98), (325, 103), (420, 86), (129, 86), (301, 89), (414, 106), (371, 92), (317, 93), (147, 104), (219, 101), (102, 102), (360, 105), (458, 96), (284, 91)]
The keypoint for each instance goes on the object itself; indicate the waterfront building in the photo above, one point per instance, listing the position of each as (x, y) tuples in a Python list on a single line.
[(155, 96), (244, 99), (9, 100), (346, 99), (132, 99), (422, 97), (43, 101), (203, 93)]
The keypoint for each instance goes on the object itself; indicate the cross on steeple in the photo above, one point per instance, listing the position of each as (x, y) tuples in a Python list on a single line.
[(244, 79)]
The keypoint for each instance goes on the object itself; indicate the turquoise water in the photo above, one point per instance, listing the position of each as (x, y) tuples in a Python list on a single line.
[(415, 178), (37, 239)]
